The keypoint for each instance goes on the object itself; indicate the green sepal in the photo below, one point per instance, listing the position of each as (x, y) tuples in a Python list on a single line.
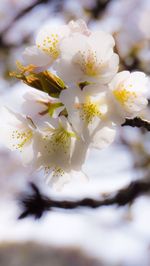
[(52, 107), (83, 84)]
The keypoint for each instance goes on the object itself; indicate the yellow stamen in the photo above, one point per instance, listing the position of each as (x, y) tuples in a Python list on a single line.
[(50, 45), (88, 63), (22, 138), (89, 111), (123, 95), (57, 172), (58, 138)]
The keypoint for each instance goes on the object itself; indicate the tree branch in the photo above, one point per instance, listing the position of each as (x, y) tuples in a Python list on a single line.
[(98, 8), (137, 122), (21, 14), (36, 204)]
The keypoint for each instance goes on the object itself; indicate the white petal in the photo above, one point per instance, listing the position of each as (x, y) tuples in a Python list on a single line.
[(103, 138), (59, 181), (34, 56), (79, 155), (79, 26)]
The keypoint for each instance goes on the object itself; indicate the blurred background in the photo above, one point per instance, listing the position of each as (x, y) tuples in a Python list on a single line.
[(107, 236)]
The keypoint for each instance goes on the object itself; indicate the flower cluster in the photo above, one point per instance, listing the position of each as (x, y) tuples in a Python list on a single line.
[(77, 102)]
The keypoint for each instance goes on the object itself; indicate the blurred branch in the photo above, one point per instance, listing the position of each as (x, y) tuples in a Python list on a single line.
[(36, 204), (21, 14), (98, 8), (137, 122)]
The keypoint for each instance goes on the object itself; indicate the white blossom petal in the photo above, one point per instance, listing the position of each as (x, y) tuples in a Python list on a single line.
[(129, 93)]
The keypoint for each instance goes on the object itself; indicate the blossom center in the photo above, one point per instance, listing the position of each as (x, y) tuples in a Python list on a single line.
[(60, 138), (57, 172), (50, 45), (22, 138), (88, 63), (89, 110), (123, 95)]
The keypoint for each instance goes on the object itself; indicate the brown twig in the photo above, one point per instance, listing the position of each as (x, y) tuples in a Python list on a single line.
[(21, 14), (36, 204), (98, 8), (137, 122)]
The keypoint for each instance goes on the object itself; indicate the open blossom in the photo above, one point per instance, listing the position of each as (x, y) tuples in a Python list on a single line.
[(87, 58), (59, 144), (88, 115), (61, 150), (18, 133), (129, 93), (46, 50), (53, 146), (48, 40)]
